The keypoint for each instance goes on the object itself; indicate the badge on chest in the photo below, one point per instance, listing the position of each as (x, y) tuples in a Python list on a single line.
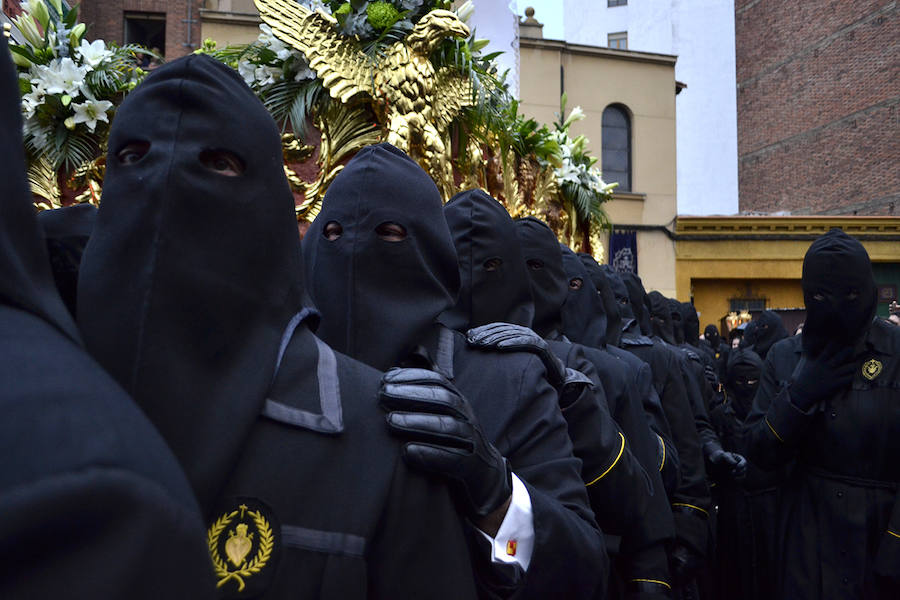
[(871, 369), (243, 544)]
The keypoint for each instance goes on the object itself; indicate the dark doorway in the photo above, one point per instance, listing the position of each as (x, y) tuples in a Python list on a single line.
[(146, 29)]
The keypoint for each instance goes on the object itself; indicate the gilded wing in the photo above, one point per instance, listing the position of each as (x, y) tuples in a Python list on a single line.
[(452, 93), (344, 69)]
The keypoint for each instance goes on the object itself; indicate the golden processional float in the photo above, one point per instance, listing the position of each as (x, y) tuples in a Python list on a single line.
[(336, 76)]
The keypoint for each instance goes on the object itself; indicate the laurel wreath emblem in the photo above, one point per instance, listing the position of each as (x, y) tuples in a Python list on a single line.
[(263, 553)]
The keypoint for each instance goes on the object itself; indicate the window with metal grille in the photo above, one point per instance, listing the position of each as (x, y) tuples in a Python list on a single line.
[(616, 146)]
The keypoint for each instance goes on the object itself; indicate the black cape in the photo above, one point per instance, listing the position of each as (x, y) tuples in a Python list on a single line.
[(91, 496), (190, 293), (380, 299)]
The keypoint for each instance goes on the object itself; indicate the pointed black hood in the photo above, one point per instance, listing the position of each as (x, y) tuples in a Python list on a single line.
[(838, 290), (25, 278), (623, 301), (711, 335), (610, 307), (690, 322), (640, 303), (584, 321), (549, 286), (677, 320), (661, 317), (493, 278), (742, 380), (191, 274), (379, 295), (762, 333)]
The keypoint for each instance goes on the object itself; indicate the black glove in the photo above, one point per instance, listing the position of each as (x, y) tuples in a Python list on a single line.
[(726, 463), (817, 378), (443, 436), (684, 563), (711, 376), (516, 338)]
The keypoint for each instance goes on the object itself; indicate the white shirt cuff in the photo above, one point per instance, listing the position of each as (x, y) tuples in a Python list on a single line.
[(515, 538)]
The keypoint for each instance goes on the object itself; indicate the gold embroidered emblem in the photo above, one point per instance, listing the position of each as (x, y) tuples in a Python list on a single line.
[(871, 369), (240, 544)]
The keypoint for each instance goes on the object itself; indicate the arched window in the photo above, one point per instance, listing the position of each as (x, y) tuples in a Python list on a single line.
[(616, 152)]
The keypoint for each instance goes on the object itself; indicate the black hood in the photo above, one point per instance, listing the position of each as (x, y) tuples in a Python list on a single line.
[(191, 275), (494, 284), (584, 320), (838, 290), (661, 317), (379, 298), (549, 285), (623, 301), (690, 322), (762, 332), (640, 303), (677, 320), (744, 367), (608, 300), (712, 337), (25, 278), (67, 231)]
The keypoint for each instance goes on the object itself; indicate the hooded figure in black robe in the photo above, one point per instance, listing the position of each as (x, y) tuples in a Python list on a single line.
[(609, 309), (763, 332), (190, 294), (94, 504), (496, 304), (719, 348), (828, 400), (747, 517), (583, 321), (382, 268), (691, 500)]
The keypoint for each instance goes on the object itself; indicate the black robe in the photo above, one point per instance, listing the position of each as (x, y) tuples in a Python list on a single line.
[(380, 297), (94, 504), (748, 508), (191, 294)]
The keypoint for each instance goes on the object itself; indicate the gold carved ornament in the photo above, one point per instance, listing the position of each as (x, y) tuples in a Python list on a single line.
[(238, 546), (414, 103)]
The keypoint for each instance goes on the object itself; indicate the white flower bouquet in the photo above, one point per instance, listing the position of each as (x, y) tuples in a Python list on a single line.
[(70, 88)]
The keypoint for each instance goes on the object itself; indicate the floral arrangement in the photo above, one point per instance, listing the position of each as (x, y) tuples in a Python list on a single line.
[(70, 88)]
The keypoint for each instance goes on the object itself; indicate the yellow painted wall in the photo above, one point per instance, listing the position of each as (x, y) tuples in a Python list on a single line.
[(715, 270), (594, 78), (229, 33)]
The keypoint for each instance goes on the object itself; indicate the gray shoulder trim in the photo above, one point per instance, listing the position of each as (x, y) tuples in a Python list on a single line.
[(331, 419), (445, 353), (330, 542)]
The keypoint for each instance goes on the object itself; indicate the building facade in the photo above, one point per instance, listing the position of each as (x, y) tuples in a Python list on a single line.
[(753, 263), (819, 106), (170, 26), (629, 99), (701, 34)]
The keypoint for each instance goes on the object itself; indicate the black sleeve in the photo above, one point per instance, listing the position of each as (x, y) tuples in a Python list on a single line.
[(774, 426), (427, 551), (669, 461), (539, 450), (100, 532), (691, 501), (618, 487)]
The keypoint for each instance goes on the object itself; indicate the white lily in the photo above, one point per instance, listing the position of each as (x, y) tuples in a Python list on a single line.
[(91, 112), (28, 28), (63, 76), (93, 53)]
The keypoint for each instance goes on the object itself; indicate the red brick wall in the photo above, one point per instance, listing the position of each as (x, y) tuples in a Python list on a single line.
[(106, 19), (819, 106)]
